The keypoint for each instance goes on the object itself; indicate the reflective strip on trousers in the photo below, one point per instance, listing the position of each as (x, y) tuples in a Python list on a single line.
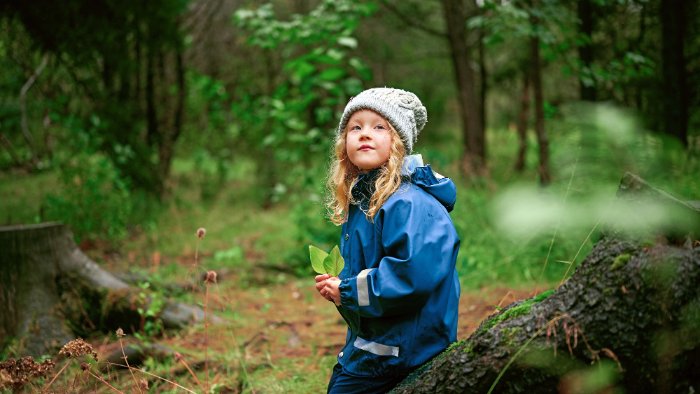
[(376, 348), (363, 288)]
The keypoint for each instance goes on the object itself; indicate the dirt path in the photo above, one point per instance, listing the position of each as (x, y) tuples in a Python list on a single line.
[(289, 321), (283, 331)]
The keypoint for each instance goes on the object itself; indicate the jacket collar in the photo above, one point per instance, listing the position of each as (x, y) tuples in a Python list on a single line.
[(414, 171)]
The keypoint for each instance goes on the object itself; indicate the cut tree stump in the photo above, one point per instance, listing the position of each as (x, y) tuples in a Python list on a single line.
[(628, 318), (50, 292)]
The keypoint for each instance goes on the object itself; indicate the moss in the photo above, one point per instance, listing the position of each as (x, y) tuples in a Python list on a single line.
[(510, 335), (518, 310), (468, 348), (455, 345), (414, 376), (542, 296), (620, 261)]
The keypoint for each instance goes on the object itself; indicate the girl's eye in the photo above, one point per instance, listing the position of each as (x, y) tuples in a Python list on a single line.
[(381, 126)]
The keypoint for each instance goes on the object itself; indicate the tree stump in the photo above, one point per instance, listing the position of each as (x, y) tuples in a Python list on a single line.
[(50, 291), (629, 318)]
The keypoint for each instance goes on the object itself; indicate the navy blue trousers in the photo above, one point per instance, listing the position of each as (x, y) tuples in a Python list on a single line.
[(344, 383)]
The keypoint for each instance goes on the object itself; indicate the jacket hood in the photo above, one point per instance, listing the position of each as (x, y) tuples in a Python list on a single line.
[(413, 171), (421, 175)]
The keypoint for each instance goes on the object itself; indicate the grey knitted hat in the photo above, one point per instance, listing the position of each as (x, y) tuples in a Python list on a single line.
[(402, 109)]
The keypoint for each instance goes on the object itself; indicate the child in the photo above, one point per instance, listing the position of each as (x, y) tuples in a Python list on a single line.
[(399, 290)]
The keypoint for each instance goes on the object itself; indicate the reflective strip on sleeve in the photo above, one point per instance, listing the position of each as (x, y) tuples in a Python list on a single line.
[(376, 348), (363, 288)]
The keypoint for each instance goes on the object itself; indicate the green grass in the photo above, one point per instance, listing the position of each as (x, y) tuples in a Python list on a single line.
[(21, 195)]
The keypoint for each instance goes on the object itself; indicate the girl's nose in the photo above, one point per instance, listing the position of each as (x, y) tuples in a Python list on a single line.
[(365, 132)]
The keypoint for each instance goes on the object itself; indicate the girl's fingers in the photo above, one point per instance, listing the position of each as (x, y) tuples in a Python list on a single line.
[(321, 281), (320, 278), (324, 293)]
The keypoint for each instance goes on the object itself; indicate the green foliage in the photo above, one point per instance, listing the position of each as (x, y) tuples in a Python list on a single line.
[(232, 257), (94, 201), (209, 144), (115, 66), (292, 118), (311, 226), (151, 304), (326, 263)]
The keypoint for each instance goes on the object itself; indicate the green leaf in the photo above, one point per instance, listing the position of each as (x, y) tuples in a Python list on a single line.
[(349, 42), (317, 257), (334, 263), (332, 74)]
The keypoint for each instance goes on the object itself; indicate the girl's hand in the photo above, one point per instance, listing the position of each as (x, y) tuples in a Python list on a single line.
[(331, 290), (321, 284)]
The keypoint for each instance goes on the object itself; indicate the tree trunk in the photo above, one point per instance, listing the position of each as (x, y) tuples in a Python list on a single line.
[(24, 123), (49, 290), (31, 309), (542, 141), (483, 72), (674, 89), (166, 148), (630, 315), (522, 123), (587, 87), (474, 159)]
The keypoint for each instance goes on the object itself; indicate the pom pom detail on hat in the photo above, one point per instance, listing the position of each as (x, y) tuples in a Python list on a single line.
[(401, 108)]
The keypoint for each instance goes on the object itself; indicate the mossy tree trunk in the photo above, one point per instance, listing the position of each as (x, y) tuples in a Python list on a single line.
[(50, 292), (628, 318)]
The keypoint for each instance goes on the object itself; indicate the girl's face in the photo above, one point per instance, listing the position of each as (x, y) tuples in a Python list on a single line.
[(368, 140)]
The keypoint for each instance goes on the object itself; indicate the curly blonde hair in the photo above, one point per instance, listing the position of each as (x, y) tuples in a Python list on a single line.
[(343, 176)]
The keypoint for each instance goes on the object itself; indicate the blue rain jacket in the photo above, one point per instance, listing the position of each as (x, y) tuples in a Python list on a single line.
[(399, 288)]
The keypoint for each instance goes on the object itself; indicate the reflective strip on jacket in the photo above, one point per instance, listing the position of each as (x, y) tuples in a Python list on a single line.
[(399, 288)]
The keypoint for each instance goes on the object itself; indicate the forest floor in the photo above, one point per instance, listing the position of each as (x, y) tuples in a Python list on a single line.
[(276, 337)]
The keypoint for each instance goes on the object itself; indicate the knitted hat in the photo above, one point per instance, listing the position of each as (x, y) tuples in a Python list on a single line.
[(402, 109)]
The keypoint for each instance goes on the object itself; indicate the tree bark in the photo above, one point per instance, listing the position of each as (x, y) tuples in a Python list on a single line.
[(474, 159), (674, 89), (542, 141), (631, 309), (23, 110), (522, 123), (49, 290), (483, 72), (587, 91)]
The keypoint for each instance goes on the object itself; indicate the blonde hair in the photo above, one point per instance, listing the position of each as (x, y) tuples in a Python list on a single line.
[(343, 176)]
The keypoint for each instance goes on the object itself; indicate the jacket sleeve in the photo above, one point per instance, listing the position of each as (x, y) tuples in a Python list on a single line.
[(420, 246)]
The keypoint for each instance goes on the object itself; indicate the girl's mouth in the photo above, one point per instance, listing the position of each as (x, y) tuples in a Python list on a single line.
[(365, 148)]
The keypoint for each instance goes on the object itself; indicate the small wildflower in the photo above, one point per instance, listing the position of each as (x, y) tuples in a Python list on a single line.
[(210, 278), (120, 333), (77, 348), (201, 232)]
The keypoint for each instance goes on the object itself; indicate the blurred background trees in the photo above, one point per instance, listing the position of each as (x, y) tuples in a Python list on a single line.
[(235, 87)]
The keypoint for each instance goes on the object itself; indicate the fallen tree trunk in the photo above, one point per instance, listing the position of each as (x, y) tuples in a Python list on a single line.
[(628, 318), (50, 292)]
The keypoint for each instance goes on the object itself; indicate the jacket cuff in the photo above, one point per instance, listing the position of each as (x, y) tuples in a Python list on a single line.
[(348, 299)]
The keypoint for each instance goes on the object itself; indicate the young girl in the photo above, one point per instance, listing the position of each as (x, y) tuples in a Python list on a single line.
[(399, 290)]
